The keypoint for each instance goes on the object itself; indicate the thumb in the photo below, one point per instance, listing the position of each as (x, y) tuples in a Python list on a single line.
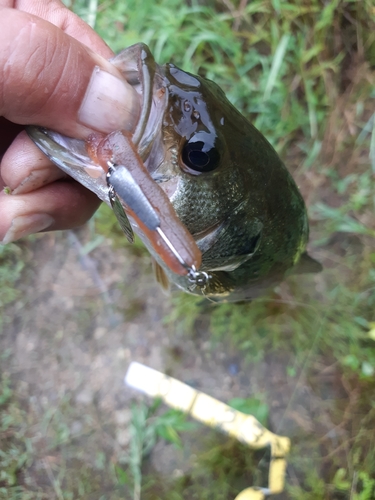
[(50, 79)]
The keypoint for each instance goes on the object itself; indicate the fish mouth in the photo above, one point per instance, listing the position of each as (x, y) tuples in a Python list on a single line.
[(71, 154)]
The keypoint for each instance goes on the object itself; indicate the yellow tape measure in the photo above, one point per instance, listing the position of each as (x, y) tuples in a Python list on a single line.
[(218, 415)]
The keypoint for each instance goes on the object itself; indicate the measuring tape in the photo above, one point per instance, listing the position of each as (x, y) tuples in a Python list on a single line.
[(214, 413)]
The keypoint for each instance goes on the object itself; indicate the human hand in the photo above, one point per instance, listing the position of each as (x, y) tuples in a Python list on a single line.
[(48, 57)]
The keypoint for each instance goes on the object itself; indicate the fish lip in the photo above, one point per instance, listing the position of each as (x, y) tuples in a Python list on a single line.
[(154, 91), (70, 154)]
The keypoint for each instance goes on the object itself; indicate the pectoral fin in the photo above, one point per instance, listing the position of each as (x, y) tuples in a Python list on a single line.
[(306, 265)]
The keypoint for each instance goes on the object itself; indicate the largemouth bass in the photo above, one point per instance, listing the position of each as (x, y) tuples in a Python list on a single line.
[(226, 183)]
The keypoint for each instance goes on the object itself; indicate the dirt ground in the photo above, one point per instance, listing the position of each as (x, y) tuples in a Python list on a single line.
[(82, 320)]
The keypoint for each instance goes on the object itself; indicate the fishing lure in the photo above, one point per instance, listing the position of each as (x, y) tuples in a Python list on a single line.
[(134, 194)]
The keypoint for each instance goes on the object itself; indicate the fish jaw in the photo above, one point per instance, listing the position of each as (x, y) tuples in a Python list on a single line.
[(70, 155)]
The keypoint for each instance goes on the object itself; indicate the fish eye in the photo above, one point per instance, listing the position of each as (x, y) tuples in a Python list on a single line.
[(199, 156)]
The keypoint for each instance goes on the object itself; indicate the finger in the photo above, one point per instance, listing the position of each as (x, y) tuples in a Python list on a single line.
[(63, 79), (24, 168), (61, 205), (56, 13)]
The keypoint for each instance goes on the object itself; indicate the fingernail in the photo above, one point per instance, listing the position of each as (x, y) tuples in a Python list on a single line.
[(37, 179), (109, 103), (23, 225)]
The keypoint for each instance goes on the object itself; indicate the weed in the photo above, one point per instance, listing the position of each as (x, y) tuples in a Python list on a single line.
[(221, 469), (11, 266), (252, 406), (146, 428), (15, 446)]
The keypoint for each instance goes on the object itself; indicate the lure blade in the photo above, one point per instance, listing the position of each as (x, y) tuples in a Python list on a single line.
[(122, 218)]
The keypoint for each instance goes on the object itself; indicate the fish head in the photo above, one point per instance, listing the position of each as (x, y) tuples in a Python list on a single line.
[(225, 181), (227, 185)]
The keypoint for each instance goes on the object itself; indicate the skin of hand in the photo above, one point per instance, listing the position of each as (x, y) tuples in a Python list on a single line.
[(54, 73)]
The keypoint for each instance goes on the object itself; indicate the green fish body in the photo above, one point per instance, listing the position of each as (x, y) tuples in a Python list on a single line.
[(225, 181)]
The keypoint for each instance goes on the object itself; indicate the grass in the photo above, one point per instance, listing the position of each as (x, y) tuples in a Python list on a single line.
[(11, 266), (304, 73)]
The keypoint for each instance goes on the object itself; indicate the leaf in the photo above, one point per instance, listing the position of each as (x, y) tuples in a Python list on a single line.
[(371, 332), (168, 433), (251, 406), (122, 475)]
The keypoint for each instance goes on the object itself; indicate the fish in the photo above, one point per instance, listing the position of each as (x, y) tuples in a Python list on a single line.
[(225, 182)]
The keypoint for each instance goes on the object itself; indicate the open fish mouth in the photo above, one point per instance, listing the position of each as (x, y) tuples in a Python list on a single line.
[(71, 155)]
